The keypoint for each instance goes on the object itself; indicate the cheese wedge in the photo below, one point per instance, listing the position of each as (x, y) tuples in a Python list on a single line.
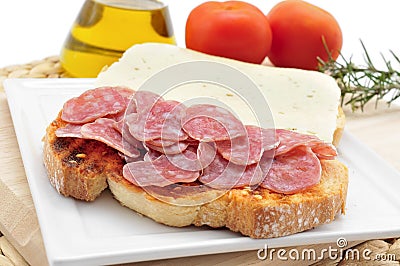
[(300, 100)]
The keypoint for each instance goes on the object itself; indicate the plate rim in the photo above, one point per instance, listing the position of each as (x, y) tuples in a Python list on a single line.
[(10, 86)]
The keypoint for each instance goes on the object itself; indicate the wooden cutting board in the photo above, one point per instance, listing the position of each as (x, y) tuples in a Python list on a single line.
[(379, 129), (18, 221)]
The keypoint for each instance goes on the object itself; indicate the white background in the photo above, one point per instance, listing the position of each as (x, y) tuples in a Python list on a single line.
[(34, 29)]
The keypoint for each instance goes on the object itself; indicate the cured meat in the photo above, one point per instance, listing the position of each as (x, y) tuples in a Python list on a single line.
[(161, 121), (103, 130), (159, 172), (164, 121), (186, 160), (118, 125), (294, 171), (130, 159), (160, 142), (206, 153), (183, 142), (122, 128), (126, 93), (205, 122), (176, 148), (130, 119), (248, 149), (93, 104), (192, 142), (289, 140), (266, 161), (194, 160), (144, 174), (325, 151), (151, 155), (144, 100), (222, 174), (116, 117), (70, 130), (270, 138)]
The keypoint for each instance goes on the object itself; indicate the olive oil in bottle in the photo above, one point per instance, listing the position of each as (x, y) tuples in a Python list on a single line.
[(104, 29)]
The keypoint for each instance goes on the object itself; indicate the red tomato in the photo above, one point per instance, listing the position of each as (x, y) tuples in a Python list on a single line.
[(232, 29), (298, 30)]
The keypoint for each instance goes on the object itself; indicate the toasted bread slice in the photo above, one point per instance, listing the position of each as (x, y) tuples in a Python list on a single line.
[(256, 213), (81, 168), (78, 167)]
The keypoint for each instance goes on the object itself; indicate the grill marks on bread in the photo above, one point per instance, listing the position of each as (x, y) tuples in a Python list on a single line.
[(79, 167)]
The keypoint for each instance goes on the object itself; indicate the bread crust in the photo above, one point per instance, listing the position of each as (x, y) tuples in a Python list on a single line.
[(256, 213), (78, 167), (83, 168)]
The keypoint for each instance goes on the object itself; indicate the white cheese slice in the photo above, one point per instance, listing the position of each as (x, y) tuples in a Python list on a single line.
[(304, 101)]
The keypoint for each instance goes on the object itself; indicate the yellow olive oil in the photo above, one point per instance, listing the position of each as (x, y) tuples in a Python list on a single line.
[(104, 29)]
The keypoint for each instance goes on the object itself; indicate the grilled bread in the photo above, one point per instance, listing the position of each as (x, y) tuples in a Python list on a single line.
[(76, 167), (83, 168), (256, 213)]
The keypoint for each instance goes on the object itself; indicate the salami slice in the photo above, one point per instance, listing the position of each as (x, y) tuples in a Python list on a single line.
[(176, 148), (70, 130), (127, 137), (118, 125), (131, 159), (246, 150), (194, 160), (93, 104), (270, 139), (206, 153), (325, 151), (186, 160), (126, 93), (144, 100), (159, 172), (151, 155), (116, 117), (293, 172), (162, 121), (144, 174), (289, 140), (103, 130), (131, 119), (160, 142), (207, 123), (222, 174)]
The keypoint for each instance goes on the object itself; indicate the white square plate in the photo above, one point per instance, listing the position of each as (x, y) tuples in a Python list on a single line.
[(104, 232)]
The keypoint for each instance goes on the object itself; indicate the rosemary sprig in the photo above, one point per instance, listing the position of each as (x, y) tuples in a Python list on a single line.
[(363, 83)]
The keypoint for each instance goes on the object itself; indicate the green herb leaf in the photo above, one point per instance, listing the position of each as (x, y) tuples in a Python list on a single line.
[(363, 83)]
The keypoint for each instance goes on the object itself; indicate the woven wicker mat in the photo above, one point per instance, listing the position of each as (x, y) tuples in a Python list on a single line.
[(50, 68)]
